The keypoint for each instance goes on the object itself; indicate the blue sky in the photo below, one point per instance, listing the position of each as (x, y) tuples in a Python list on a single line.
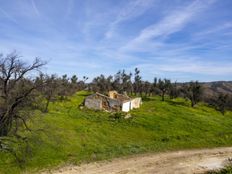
[(179, 39)]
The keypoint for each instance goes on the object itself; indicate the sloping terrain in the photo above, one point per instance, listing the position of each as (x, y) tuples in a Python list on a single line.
[(213, 88), (220, 86), (70, 135)]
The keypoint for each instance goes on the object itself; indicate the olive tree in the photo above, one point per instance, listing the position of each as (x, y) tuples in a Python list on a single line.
[(193, 91), (164, 86)]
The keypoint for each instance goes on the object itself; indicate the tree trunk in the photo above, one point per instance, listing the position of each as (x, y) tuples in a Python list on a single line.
[(46, 106), (163, 95), (3, 131), (3, 128), (192, 103)]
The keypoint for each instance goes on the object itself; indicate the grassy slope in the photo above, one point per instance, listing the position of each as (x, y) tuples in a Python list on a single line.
[(73, 135)]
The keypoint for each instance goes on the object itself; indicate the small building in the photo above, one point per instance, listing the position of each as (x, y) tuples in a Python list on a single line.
[(114, 102)]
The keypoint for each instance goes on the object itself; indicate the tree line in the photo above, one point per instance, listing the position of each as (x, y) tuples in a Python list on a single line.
[(133, 84)]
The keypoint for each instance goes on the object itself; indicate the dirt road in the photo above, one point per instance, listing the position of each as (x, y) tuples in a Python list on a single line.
[(186, 162)]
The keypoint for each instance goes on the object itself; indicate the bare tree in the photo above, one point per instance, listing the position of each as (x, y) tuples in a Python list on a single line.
[(16, 89)]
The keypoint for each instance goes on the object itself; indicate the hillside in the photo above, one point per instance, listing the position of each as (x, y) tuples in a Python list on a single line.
[(68, 134), (213, 88)]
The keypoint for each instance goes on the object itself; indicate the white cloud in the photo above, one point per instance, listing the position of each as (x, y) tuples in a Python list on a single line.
[(175, 21), (7, 15), (131, 10), (78, 47), (35, 8), (214, 30), (199, 68), (183, 70)]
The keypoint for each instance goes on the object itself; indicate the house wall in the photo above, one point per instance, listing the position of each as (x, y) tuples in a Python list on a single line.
[(136, 102), (93, 103), (113, 94), (126, 106), (110, 104), (114, 104)]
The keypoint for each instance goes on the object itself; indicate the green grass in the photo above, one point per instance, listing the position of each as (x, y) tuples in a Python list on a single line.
[(226, 170), (71, 135)]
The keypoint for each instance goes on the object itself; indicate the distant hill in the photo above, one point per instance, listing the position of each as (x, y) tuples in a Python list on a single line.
[(213, 88)]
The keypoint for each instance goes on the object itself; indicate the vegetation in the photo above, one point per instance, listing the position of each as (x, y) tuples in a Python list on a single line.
[(221, 102), (164, 86), (40, 119), (22, 92), (69, 134), (16, 100), (193, 92)]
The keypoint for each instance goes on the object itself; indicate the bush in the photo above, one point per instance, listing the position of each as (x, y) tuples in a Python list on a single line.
[(117, 116)]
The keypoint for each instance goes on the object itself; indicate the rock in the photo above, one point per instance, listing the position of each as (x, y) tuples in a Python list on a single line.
[(128, 116)]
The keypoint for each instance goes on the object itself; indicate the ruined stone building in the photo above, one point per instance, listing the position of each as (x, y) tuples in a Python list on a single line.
[(114, 102)]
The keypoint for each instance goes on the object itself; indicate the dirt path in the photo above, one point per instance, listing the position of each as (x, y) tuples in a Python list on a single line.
[(186, 162)]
